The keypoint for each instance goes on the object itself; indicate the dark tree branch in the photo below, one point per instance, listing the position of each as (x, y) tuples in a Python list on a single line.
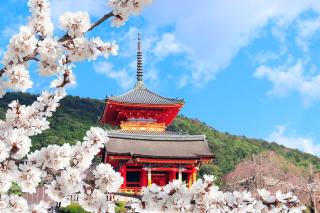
[(100, 21)]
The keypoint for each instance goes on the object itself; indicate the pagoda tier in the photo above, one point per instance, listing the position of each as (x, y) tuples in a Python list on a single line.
[(140, 108), (146, 157), (140, 104)]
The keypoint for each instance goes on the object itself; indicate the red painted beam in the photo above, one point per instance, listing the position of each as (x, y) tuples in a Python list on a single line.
[(169, 161), (115, 112)]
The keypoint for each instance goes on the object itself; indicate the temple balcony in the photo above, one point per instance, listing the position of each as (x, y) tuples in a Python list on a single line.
[(142, 125)]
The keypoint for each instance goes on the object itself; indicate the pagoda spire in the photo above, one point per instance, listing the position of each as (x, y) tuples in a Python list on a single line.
[(139, 63)]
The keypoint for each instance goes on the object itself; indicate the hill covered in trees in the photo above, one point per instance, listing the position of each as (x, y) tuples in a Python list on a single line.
[(75, 116)]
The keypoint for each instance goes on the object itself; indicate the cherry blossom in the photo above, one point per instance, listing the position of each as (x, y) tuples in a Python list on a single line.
[(204, 196), (50, 52), (106, 179), (18, 204), (18, 77), (41, 207), (8, 172), (76, 24), (4, 152), (29, 177), (94, 200), (122, 9), (18, 142), (21, 45), (40, 20)]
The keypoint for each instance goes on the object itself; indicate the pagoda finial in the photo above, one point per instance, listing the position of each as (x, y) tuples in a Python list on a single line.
[(139, 62)]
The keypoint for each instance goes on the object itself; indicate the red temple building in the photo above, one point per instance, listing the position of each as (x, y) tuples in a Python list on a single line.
[(142, 150)]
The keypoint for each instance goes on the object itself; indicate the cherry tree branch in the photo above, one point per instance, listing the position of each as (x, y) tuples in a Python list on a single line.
[(97, 23), (64, 38)]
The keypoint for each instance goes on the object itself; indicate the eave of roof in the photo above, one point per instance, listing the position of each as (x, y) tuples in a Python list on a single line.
[(142, 95), (154, 136), (158, 146)]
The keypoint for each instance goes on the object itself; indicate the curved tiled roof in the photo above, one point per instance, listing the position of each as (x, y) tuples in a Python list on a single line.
[(153, 135), (158, 146), (141, 95)]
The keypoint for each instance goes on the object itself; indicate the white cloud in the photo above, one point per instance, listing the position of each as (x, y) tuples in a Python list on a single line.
[(306, 30), (282, 136), (122, 77), (95, 8), (300, 72), (215, 31), (183, 81), (265, 56), (292, 78), (12, 26), (9, 31), (167, 45), (1, 52)]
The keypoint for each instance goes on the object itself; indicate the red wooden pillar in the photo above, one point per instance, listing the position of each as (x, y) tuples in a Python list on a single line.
[(143, 178), (189, 178), (172, 175), (194, 174), (123, 172)]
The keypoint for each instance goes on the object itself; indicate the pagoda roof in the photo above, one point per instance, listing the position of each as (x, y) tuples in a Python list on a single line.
[(160, 145), (141, 95)]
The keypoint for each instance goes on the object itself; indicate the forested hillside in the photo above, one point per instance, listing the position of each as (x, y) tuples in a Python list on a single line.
[(76, 115)]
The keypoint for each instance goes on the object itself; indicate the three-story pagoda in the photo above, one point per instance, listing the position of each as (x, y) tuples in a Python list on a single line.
[(142, 150)]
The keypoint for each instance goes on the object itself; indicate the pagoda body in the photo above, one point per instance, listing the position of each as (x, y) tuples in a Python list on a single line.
[(142, 150)]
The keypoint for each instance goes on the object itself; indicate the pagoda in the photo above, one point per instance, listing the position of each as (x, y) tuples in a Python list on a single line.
[(142, 150)]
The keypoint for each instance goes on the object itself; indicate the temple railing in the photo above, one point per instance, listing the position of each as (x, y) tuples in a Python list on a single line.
[(140, 125), (74, 198), (129, 190)]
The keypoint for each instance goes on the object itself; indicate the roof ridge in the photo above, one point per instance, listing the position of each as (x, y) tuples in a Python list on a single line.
[(127, 92), (145, 95), (168, 137), (162, 96)]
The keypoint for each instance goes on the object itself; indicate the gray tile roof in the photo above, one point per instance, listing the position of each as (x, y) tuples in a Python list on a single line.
[(141, 95), (158, 146)]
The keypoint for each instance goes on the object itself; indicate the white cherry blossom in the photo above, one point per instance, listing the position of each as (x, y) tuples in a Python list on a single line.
[(50, 52), (29, 177), (19, 144), (18, 77), (4, 151), (204, 196), (93, 200), (21, 45), (18, 204), (55, 157), (122, 9), (76, 24), (106, 179), (267, 196), (41, 207), (56, 193), (40, 19)]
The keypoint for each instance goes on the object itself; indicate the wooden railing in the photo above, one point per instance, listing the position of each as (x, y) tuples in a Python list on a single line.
[(75, 198), (136, 125), (129, 190)]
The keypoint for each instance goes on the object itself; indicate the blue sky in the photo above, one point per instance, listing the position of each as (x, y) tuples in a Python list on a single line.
[(246, 67)]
